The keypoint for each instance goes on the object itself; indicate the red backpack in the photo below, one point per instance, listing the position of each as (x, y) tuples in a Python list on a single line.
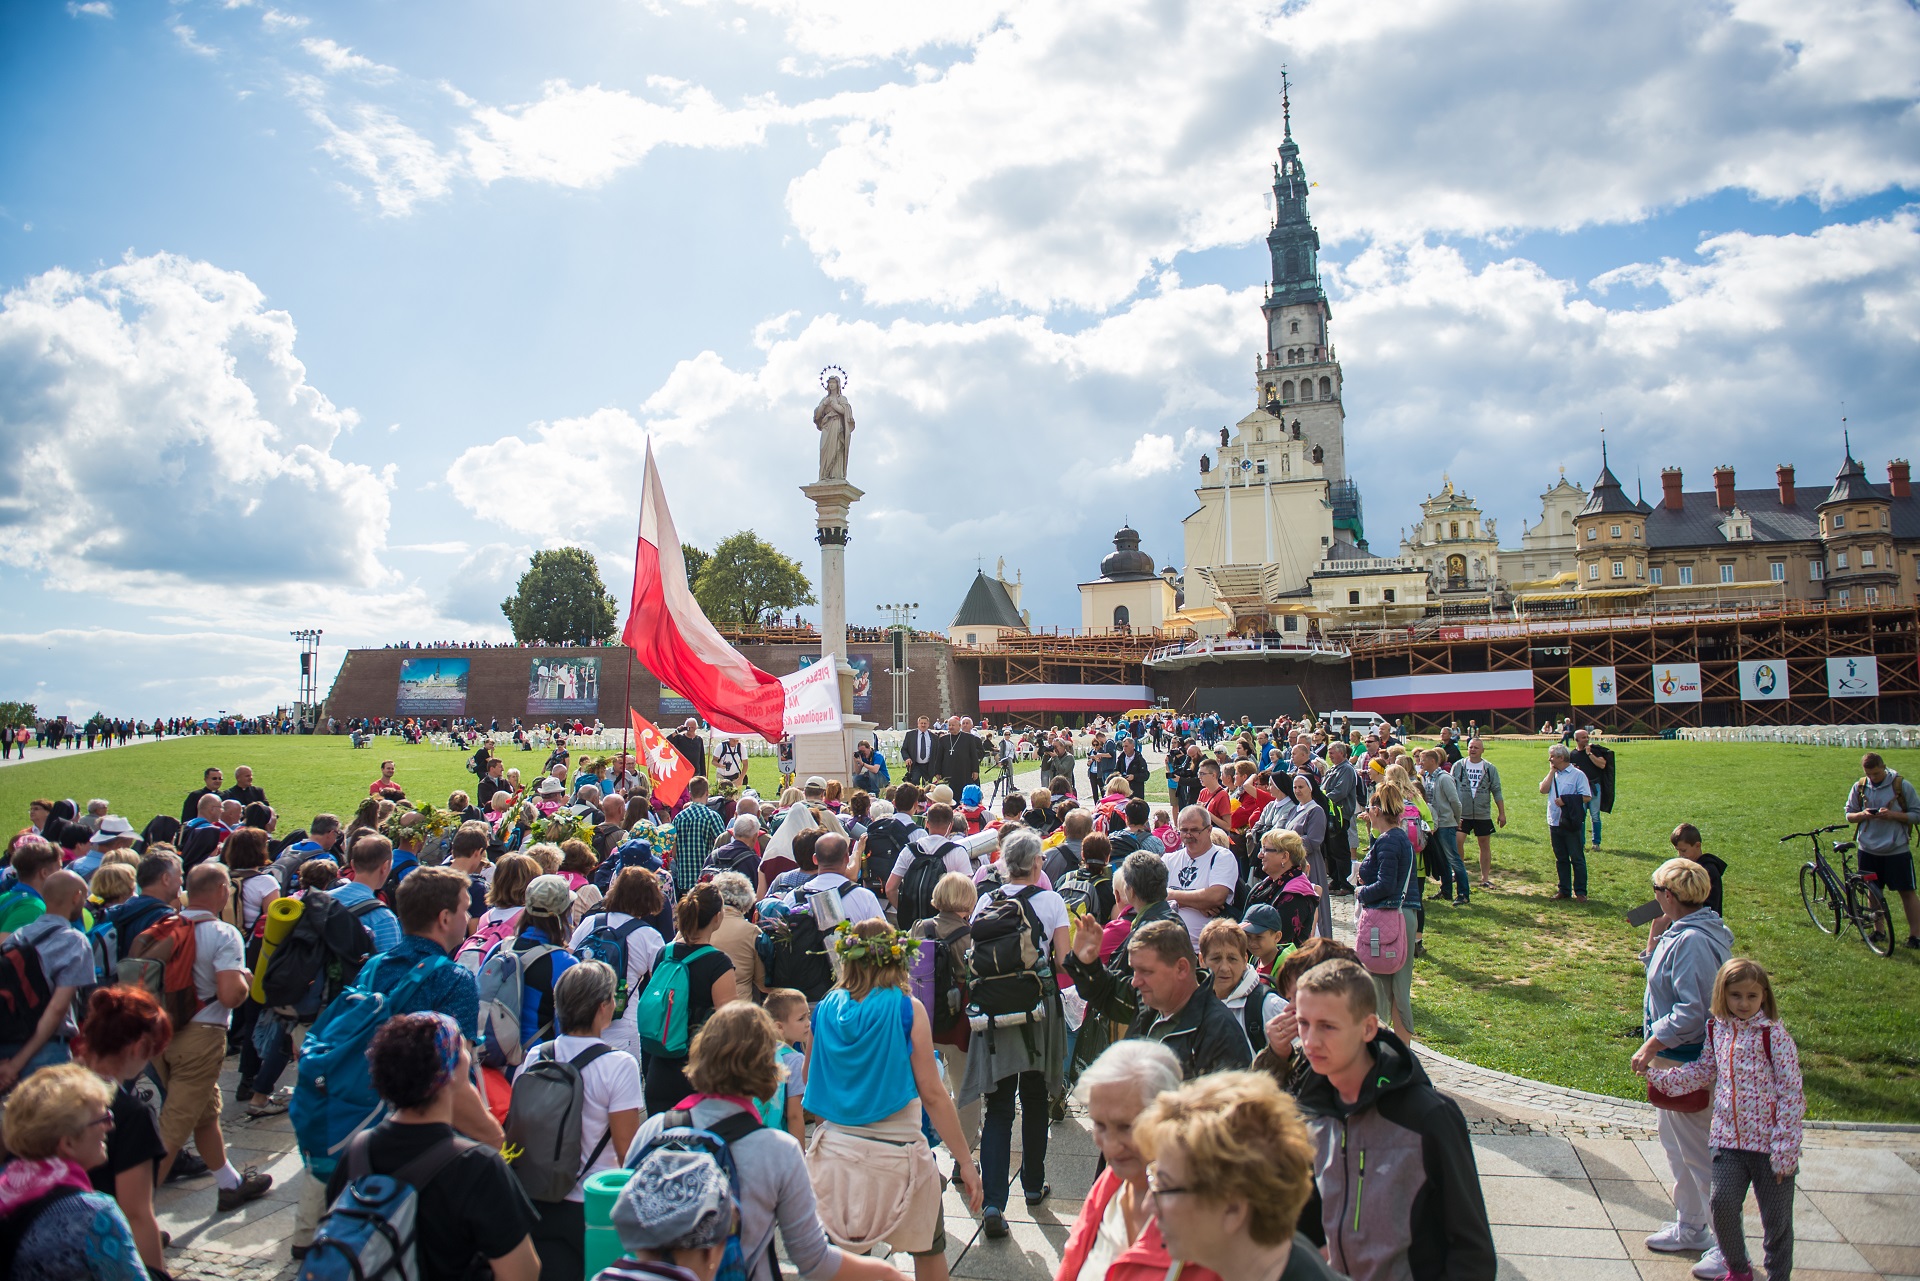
[(161, 960)]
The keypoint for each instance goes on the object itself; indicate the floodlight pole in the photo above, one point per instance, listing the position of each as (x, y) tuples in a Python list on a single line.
[(901, 626)]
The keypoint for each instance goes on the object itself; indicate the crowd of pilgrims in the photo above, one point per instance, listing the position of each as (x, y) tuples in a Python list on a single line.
[(789, 1023)]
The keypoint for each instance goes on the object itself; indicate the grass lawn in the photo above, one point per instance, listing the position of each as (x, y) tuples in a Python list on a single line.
[(1516, 982)]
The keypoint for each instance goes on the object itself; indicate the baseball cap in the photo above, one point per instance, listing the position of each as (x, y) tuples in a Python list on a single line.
[(1261, 918), (549, 895)]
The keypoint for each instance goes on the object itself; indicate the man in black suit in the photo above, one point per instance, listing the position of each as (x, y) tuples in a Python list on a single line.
[(1131, 763), (690, 745), (921, 749), (960, 761)]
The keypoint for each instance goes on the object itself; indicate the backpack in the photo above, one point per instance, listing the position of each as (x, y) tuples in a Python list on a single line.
[(665, 1026), (608, 943), (368, 1234), (24, 991), (940, 981), (104, 939), (1007, 964), (333, 1098), (131, 919), (161, 960), (1080, 888), (680, 1135), (476, 947), (321, 954), (395, 875), (543, 1122), (503, 989), (794, 951), (231, 912), (916, 887), (886, 838), (1250, 1016)]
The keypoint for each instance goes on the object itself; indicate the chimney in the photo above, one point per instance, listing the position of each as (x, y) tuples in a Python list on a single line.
[(1670, 483), (1897, 478), (1723, 488), (1783, 477)]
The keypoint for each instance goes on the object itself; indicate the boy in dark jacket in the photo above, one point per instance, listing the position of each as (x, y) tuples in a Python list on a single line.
[(1398, 1189)]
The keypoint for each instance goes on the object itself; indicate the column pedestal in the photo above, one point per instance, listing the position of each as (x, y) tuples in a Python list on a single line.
[(831, 755)]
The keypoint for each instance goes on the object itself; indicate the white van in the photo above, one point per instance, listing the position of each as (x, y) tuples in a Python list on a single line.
[(1342, 724)]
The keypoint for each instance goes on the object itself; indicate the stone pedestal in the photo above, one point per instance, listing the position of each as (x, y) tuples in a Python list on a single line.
[(828, 755)]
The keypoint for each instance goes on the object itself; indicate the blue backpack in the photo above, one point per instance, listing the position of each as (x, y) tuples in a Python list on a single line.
[(662, 1020), (104, 939), (681, 1135), (608, 943), (369, 1233), (334, 1099)]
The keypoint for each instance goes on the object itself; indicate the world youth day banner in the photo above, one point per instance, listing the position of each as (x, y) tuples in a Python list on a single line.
[(862, 680), (1763, 680), (812, 700), (563, 687), (432, 687)]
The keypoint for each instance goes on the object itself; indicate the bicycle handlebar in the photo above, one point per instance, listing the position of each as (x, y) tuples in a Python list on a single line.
[(1815, 833)]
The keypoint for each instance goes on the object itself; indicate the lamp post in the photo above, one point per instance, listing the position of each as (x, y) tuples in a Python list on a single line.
[(309, 639), (900, 623)]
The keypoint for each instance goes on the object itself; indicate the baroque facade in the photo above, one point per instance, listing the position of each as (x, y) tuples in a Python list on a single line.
[(1458, 546)]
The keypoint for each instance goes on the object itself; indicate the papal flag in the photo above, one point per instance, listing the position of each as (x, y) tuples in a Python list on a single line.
[(1591, 687)]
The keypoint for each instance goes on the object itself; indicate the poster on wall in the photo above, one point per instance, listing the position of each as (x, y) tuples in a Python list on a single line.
[(432, 687), (563, 687), (862, 680), (1856, 677), (1676, 682), (1591, 687), (1763, 680), (674, 703)]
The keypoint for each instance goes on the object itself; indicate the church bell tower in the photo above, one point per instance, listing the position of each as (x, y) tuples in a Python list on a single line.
[(1299, 379)]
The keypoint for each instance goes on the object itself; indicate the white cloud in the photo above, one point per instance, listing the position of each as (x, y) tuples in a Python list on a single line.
[(277, 21), (580, 137), (190, 40), (494, 480), (163, 674), (336, 58), (91, 9), (162, 433), (403, 166), (857, 30)]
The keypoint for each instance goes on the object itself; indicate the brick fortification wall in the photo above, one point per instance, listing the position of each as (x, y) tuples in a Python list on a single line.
[(497, 679)]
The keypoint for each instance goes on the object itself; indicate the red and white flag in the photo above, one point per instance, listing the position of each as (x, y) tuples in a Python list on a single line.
[(669, 770), (672, 638)]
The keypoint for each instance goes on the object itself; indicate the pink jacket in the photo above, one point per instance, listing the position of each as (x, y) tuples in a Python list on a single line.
[(1754, 1069)]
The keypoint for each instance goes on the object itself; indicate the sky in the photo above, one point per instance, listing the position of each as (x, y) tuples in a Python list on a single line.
[(331, 315)]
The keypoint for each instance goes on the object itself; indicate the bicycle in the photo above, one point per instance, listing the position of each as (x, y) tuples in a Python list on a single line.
[(1846, 895)]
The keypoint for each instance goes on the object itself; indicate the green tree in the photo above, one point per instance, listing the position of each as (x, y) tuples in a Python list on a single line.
[(18, 713), (695, 561), (745, 579), (561, 598)]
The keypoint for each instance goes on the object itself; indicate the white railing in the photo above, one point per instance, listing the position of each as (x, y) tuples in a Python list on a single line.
[(1899, 736), (1242, 646)]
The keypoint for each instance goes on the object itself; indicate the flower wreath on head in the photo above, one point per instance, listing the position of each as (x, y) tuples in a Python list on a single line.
[(892, 948)]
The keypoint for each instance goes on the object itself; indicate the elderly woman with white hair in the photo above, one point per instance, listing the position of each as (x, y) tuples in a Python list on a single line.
[(1023, 1060), (738, 936), (1116, 1238)]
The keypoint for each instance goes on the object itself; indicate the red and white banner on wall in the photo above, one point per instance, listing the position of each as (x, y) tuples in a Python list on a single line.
[(1457, 692), (1064, 698)]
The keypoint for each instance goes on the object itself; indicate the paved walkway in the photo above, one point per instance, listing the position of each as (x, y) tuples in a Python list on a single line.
[(21, 756)]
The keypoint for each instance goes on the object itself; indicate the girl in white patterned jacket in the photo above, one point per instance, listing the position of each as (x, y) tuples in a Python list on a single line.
[(1753, 1068)]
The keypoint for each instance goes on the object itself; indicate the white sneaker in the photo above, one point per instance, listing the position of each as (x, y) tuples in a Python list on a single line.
[(1673, 1238), (1712, 1265)]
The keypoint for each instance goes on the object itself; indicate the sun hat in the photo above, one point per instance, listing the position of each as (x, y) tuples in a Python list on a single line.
[(941, 794), (675, 1200), (114, 828), (551, 786), (549, 895)]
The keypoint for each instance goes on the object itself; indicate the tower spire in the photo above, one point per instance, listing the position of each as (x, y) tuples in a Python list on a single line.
[(1286, 104)]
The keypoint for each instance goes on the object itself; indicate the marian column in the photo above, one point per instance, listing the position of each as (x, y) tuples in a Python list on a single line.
[(831, 755)]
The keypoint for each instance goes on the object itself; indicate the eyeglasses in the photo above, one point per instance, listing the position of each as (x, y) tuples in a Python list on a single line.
[(105, 1118), (1156, 1189)]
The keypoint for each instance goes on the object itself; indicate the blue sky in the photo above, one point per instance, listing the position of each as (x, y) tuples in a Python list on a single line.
[(331, 315)]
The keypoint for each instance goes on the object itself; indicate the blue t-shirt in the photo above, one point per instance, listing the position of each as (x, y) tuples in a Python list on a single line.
[(447, 989), (380, 922)]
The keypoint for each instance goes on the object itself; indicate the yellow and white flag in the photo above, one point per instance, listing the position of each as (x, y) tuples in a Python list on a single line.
[(1590, 686)]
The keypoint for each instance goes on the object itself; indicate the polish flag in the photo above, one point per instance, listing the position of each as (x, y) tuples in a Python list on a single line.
[(669, 770), (673, 639)]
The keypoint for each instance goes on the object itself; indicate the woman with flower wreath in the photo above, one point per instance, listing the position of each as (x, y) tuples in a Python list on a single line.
[(869, 1077)]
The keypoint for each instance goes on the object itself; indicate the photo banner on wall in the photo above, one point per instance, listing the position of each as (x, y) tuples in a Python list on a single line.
[(674, 703), (432, 687), (1763, 680), (862, 679), (1854, 677), (1592, 687), (563, 687), (1676, 682)]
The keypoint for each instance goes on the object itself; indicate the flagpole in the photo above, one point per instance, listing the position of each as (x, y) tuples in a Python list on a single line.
[(626, 703)]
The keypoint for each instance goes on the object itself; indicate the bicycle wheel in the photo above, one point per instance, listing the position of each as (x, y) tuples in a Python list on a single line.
[(1871, 916), (1817, 894)]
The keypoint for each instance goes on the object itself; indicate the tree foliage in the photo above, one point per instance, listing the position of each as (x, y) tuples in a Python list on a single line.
[(18, 713), (561, 598), (695, 560), (746, 579)]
